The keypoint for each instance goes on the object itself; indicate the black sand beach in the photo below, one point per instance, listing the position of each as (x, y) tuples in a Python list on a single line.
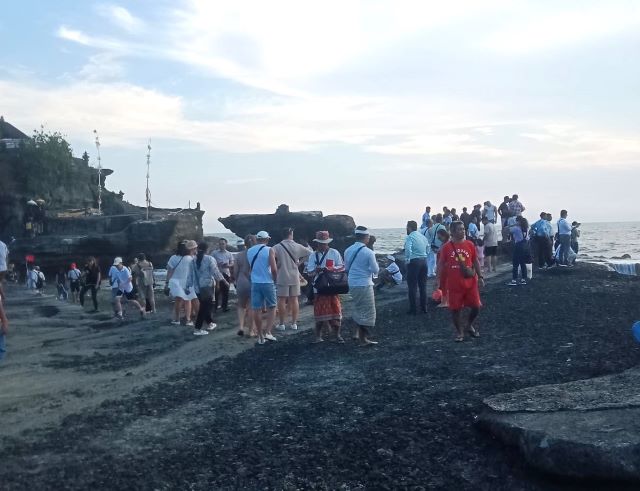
[(157, 408)]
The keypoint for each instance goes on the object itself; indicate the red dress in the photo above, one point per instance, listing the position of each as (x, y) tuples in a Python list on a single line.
[(462, 292)]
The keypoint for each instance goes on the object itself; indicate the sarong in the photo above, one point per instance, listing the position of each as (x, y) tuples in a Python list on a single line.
[(364, 305), (327, 308)]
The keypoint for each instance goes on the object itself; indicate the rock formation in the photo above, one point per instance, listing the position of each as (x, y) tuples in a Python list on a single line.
[(304, 223), (48, 204)]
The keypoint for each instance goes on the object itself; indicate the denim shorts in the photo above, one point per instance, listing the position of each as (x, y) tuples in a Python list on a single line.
[(263, 294)]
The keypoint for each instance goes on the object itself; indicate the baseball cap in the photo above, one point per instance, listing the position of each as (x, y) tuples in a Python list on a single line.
[(117, 261), (263, 235)]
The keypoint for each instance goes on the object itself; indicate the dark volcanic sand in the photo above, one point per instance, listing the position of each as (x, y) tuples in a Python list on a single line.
[(292, 415)]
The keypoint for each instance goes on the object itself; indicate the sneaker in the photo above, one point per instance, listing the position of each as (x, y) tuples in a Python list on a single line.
[(270, 337), (212, 326), (261, 341), (175, 323), (294, 327), (513, 283), (523, 281), (281, 327), (200, 332), (189, 324)]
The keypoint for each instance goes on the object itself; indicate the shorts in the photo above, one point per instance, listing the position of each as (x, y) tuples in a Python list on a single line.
[(74, 286), (129, 296), (459, 298), (288, 290), (263, 294), (490, 251)]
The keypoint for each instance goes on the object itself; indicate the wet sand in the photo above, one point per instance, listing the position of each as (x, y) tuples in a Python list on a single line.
[(86, 403)]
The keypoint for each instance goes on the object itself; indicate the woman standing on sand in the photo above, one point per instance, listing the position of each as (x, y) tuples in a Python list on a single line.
[(180, 280), (242, 275), (207, 277), (327, 308)]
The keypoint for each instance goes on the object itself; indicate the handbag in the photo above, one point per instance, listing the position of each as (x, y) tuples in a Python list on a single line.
[(333, 282)]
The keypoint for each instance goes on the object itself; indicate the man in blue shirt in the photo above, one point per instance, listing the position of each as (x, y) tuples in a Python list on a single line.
[(361, 265), (564, 237), (415, 251), (541, 233)]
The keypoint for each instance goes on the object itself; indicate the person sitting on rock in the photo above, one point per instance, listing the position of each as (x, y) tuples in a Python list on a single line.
[(390, 275)]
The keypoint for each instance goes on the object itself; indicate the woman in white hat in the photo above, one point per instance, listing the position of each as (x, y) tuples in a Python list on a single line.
[(180, 280), (327, 309)]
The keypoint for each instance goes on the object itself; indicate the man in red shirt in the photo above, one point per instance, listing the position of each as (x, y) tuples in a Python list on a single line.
[(458, 261)]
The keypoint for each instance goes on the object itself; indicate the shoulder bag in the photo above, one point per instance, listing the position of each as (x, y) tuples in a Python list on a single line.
[(332, 282), (301, 279)]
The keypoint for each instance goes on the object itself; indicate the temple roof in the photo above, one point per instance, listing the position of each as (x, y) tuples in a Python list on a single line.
[(9, 131)]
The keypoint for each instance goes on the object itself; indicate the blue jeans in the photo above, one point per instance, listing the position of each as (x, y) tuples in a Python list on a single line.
[(565, 244), (3, 346), (519, 259)]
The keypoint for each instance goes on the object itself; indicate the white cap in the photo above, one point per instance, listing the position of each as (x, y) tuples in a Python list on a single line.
[(363, 231), (117, 261), (263, 235)]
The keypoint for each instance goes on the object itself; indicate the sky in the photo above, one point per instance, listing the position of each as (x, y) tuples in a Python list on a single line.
[(373, 108)]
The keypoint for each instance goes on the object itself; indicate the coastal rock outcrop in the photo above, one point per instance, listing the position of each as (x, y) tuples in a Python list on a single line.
[(305, 224), (585, 429)]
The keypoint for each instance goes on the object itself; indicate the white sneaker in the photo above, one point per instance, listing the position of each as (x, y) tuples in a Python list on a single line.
[(523, 282), (294, 327), (212, 326), (189, 324), (270, 337), (281, 327), (175, 323), (200, 332), (513, 283)]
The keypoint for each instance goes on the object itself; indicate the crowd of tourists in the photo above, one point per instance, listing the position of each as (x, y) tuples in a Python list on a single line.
[(454, 249)]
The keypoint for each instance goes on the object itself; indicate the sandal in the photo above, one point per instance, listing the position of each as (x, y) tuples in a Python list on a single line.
[(340, 339), (472, 331), (459, 339)]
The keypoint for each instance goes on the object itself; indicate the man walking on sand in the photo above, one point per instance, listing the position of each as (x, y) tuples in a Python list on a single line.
[(459, 262), (288, 254), (415, 251), (264, 273)]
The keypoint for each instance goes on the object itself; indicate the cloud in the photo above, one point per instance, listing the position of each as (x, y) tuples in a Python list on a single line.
[(245, 180), (120, 17), (537, 30)]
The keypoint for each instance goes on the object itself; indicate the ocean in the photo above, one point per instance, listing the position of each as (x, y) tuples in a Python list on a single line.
[(601, 242), (598, 241)]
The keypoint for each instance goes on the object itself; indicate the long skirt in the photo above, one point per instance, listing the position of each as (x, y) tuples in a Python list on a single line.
[(327, 308), (364, 305)]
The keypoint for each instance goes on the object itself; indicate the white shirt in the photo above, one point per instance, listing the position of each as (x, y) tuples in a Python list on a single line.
[(224, 260), (394, 271), (123, 279), (316, 256), (74, 274), (490, 235), (363, 268), (4, 253)]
